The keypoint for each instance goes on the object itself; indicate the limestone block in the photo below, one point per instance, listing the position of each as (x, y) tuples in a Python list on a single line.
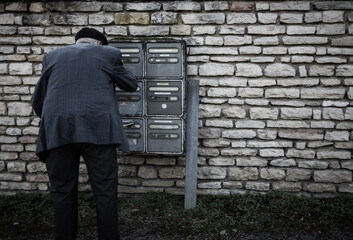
[(213, 51), (350, 93), (229, 30), (296, 113), (172, 172), (219, 5), (211, 173), (344, 70), (182, 6), (216, 69), (19, 109), (274, 50), (149, 30), (208, 110), (271, 152), (237, 40), (141, 6), (239, 134), (287, 186), (267, 18), (100, 19), (279, 70), (209, 185), (322, 93), (203, 18), (319, 188), (333, 113), (266, 41), (267, 134), (221, 92), (332, 16), (132, 18), (219, 123), (250, 124), (282, 162), (248, 70), (269, 144), (247, 173), (258, 186), (334, 176), (7, 19), (346, 188), (300, 30), (337, 136), (69, 19), (164, 18), (322, 124), (251, 92), (234, 112), (291, 18), (290, 6), (304, 40), (262, 6), (305, 134), (301, 50), (282, 93), (263, 113), (116, 30), (251, 162), (297, 174), (267, 30), (74, 6), (313, 17), (11, 177), (287, 124), (313, 164), (328, 154), (241, 18), (347, 164), (331, 29), (272, 174), (147, 172), (222, 161), (343, 41), (208, 152), (295, 153)]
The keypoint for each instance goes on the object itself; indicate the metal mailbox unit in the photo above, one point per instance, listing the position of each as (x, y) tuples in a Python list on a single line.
[(154, 115)]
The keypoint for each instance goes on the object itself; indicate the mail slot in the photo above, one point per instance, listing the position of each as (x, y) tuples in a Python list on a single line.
[(134, 131), (164, 135), (131, 103), (164, 97), (133, 56), (164, 60)]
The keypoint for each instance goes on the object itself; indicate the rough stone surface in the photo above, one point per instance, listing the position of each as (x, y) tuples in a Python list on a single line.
[(276, 91)]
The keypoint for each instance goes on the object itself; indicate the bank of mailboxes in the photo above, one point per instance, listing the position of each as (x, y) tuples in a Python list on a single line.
[(153, 116)]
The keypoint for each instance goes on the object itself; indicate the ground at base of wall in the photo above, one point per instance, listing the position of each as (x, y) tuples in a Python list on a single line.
[(158, 216)]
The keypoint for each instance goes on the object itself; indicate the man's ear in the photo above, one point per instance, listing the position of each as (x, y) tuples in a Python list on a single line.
[(99, 42)]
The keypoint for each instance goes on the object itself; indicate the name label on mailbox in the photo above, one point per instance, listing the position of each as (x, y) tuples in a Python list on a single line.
[(164, 98), (165, 135)]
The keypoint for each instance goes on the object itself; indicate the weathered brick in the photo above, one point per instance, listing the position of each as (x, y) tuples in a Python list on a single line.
[(301, 134), (263, 113), (241, 18), (211, 173), (247, 173), (290, 6), (149, 30), (334, 176), (248, 70), (203, 18), (141, 6), (291, 18), (182, 6), (216, 69)]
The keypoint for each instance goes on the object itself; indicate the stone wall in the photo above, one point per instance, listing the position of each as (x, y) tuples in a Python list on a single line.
[(276, 91)]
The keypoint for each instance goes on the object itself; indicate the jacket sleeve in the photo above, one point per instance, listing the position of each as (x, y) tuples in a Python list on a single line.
[(40, 90), (123, 77)]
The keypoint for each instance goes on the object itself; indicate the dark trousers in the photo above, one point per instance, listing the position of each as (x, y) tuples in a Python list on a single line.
[(63, 171)]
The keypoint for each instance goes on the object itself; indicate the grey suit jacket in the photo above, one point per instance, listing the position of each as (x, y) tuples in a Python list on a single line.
[(75, 97)]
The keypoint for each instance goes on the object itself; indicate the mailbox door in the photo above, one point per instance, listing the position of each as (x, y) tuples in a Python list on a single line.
[(164, 135), (164, 97), (133, 57), (164, 60), (134, 131), (131, 103)]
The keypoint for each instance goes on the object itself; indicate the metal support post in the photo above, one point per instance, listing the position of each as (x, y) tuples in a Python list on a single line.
[(192, 117)]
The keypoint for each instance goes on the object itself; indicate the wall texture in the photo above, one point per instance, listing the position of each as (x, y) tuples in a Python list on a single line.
[(276, 91)]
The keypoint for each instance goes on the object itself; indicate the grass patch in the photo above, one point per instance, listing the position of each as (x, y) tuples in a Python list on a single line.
[(161, 214)]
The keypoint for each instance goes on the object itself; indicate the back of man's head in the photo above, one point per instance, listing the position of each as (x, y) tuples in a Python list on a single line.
[(91, 33)]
